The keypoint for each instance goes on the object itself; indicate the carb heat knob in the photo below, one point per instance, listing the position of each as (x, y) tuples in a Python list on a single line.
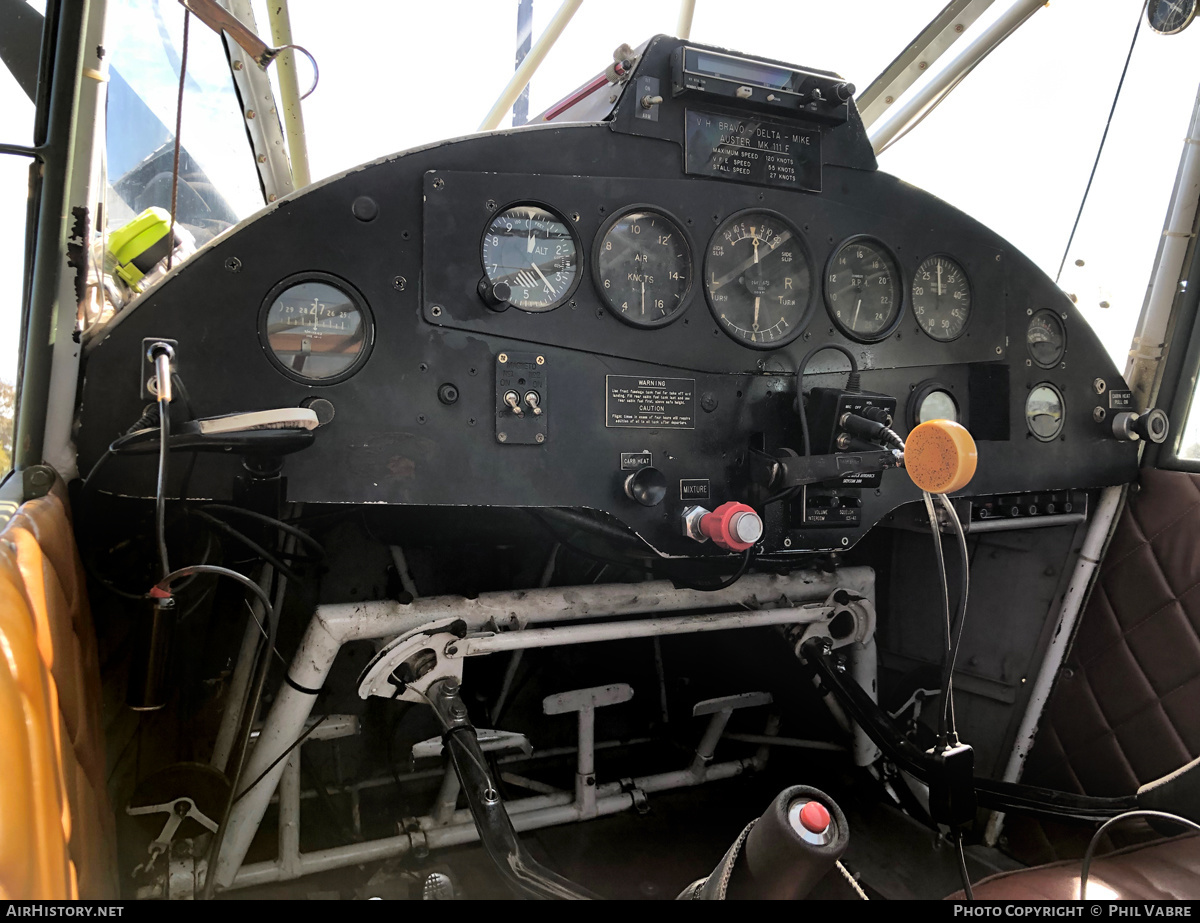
[(732, 526), (648, 486)]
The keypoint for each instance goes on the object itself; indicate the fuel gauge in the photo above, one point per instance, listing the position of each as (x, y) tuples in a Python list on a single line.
[(1046, 339)]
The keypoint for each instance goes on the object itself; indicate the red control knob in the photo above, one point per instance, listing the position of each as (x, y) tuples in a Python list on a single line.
[(814, 817), (732, 526)]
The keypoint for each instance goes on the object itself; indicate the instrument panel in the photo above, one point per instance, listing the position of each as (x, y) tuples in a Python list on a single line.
[(617, 325)]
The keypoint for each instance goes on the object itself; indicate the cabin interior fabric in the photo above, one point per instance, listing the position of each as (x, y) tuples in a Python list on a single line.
[(1124, 710)]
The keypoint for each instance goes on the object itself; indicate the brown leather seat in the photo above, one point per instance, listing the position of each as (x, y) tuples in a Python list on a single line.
[(57, 831), (1162, 870)]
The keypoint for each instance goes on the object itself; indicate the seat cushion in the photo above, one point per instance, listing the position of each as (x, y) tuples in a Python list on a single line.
[(1162, 870)]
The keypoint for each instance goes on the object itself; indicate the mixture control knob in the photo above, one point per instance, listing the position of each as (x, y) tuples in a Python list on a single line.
[(732, 526), (648, 486), (494, 294)]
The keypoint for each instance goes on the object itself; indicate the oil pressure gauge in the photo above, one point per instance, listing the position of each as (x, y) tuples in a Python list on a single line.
[(531, 251), (643, 267), (941, 298)]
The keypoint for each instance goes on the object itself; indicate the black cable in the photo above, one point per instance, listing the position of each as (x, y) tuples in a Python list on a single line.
[(271, 520), (282, 756), (160, 492), (1103, 138), (1091, 847), (178, 127), (725, 584), (962, 866), (224, 527)]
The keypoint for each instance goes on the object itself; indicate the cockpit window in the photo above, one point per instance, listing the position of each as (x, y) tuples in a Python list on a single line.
[(1014, 145), (218, 184)]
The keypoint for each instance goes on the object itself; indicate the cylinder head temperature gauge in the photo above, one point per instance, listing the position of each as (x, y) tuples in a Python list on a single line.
[(643, 267), (532, 251), (1046, 339), (758, 279)]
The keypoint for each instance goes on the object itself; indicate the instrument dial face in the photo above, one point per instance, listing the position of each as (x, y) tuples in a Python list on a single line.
[(862, 290), (643, 268), (316, 328), (937, 405), (941, 298), (1046, 339), (758, 278), (1044, 412), (1170, 16), (533, 251)]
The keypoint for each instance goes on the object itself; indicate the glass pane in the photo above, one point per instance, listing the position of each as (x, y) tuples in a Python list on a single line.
[(20, 41), (218, 183), (14, 198), (1014, 144), (457, 58)]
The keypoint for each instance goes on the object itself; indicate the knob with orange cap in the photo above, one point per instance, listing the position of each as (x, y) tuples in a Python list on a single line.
[(940, 456)]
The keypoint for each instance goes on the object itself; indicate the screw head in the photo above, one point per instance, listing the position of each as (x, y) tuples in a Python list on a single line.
[(250, 113), (490, 204), (237, 65), (262, 158), (502, 358), (233, 264), (439, 183), (845, 541), (503, 437), (539, 438), (541, 360), (399, 283), (787, 543), (436, 310), (999, 350)]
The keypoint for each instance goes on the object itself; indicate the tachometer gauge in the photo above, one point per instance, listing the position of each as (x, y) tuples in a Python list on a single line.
[(533, 252), (862, 289), (1046, 339), (758, 279), (316, 328), (643, 267), (941, 298), (1044, 412)]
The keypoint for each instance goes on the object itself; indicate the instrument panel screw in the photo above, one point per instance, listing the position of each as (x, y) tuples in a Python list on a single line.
[(502, 358), (503, 437), (845, 541), (421, 418), (541, 360), (399, 283), (490, 204), (999, 350), (1028, 363), (539, 438), (1029, 312), (1064, 315), (233, 264), (436, 310), (787, 543), (439, 183), (1099, 385)]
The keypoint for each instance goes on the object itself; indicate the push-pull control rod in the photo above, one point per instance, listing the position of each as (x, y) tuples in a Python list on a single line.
[(520, 871)]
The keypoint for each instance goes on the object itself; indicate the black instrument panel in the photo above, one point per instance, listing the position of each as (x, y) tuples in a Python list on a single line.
[(459, 375)]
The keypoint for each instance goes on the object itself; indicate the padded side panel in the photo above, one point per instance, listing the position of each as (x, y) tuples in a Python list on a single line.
[(1124, 711), (41, 562)]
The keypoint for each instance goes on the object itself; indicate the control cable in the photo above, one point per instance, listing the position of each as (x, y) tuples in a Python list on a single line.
[(1091, 848)]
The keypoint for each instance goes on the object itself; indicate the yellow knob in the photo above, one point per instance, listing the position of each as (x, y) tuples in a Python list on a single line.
[(940, 456)]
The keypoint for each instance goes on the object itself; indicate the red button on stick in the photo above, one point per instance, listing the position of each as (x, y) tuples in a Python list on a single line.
[(732, 526), (814, 817)]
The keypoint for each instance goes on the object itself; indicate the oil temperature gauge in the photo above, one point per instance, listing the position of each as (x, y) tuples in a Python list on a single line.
[(1046, 339), (643, 267)]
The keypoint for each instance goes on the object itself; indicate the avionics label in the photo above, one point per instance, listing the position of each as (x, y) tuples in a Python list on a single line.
[(650, 403)]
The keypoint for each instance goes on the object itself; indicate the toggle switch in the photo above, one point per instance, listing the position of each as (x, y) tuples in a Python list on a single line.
[(513, 400), (534, 402)]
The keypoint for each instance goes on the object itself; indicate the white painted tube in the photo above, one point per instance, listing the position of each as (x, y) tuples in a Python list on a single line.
[(524, 73), (885, 130), (1060, 642)]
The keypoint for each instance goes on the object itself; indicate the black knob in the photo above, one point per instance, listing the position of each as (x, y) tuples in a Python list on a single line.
[(842, 92), (1152, 426), (648, 486), (494, 294)]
